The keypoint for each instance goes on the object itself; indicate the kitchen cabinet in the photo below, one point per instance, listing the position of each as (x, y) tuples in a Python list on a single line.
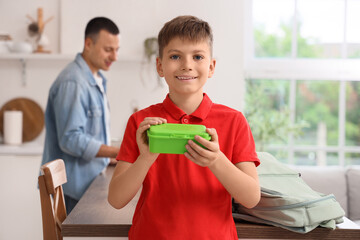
[(20, 210)]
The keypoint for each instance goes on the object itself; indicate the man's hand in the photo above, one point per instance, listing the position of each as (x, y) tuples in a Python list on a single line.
[(113, 161), (107, 151), (201, 156)]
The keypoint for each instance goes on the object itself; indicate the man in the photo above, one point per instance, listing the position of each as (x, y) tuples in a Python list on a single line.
[(77, 114)]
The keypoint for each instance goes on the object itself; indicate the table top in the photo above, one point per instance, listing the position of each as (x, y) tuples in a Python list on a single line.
[(94, 217)]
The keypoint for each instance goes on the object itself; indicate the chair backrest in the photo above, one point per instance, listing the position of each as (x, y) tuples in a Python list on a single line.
[(53, 176)]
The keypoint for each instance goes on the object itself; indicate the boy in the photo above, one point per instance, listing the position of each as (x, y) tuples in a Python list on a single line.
[(186, 196)]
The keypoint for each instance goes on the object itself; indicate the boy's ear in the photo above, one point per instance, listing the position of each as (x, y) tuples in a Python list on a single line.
[(159, 67), (212, 68)]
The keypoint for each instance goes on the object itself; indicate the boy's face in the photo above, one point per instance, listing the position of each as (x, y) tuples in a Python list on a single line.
[(186, 66)]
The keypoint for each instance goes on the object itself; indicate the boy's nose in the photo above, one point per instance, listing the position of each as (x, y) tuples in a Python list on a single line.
[(186, 65)]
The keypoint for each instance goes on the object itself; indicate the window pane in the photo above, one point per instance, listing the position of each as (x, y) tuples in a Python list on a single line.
[(353, 33), (352, 159), (272, 21), (317, 102), (321, 27), (332, 158), (316, 158), (266, 109), (280, 155), (305, 158), (352, 125)]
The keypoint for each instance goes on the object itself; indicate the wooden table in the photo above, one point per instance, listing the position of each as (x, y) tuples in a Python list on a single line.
[(94, 217)]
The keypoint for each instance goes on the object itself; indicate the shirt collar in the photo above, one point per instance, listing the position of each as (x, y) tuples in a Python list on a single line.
[(85, 67), (201, 112)]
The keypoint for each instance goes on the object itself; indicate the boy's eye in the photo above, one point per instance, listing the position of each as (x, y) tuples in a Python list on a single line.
[(174, 57), (198, 57)]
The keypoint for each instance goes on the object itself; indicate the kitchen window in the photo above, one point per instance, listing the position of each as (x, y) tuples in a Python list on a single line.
[(302, 70)]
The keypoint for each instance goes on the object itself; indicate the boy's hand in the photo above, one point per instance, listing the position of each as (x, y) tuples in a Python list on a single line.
[(201, 156), (141, 136)]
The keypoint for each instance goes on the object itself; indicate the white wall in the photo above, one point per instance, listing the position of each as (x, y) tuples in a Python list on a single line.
[(20, 216), (125, 85)]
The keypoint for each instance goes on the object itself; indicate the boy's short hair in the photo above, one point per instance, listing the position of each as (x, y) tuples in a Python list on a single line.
[(187, 28), (97, 24)]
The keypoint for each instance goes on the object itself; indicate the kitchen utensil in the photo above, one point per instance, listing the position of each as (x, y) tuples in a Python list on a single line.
[(33, 117)]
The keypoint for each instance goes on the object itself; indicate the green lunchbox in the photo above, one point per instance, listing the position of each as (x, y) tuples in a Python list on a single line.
[(172, 137)]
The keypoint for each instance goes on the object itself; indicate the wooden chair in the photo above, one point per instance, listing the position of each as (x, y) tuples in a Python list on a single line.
[(53, 176)]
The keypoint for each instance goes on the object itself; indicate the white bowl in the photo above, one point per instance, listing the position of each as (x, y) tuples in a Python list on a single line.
[(21, 47)]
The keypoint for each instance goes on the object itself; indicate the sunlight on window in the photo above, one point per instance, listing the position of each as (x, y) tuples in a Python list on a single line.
[(320, 28), (272, 27), (353, 32), (321, 24)]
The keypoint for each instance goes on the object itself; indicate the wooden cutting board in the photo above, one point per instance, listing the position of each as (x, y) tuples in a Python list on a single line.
[(33, 117)]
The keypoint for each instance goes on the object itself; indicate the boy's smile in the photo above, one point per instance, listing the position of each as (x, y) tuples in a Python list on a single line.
[(186, 65), (185, 78)]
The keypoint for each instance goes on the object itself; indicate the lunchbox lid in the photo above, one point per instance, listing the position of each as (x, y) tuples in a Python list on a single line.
[(174, 130)]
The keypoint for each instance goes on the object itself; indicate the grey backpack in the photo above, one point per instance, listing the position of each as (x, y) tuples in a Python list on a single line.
[(288, 202)]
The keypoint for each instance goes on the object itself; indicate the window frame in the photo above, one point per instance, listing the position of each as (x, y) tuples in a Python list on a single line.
[(296, 69)]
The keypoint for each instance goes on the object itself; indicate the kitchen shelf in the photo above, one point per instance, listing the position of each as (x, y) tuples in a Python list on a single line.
[(24, 57), (36, 56), (56, 56)]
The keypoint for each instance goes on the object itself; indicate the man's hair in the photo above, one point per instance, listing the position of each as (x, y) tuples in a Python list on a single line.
[(97, 24), (186, 28)]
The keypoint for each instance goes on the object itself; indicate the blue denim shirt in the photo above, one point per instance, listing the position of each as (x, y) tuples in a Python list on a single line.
[(75, 126)]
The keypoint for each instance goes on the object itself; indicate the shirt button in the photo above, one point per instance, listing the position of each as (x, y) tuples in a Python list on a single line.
[(185, 120)]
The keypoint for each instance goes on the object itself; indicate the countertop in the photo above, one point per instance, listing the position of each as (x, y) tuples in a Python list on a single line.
[(25, 149), (94, 217), (35, 148)]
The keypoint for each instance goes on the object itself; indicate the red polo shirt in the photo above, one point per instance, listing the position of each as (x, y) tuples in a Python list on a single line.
[(181, 200)]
